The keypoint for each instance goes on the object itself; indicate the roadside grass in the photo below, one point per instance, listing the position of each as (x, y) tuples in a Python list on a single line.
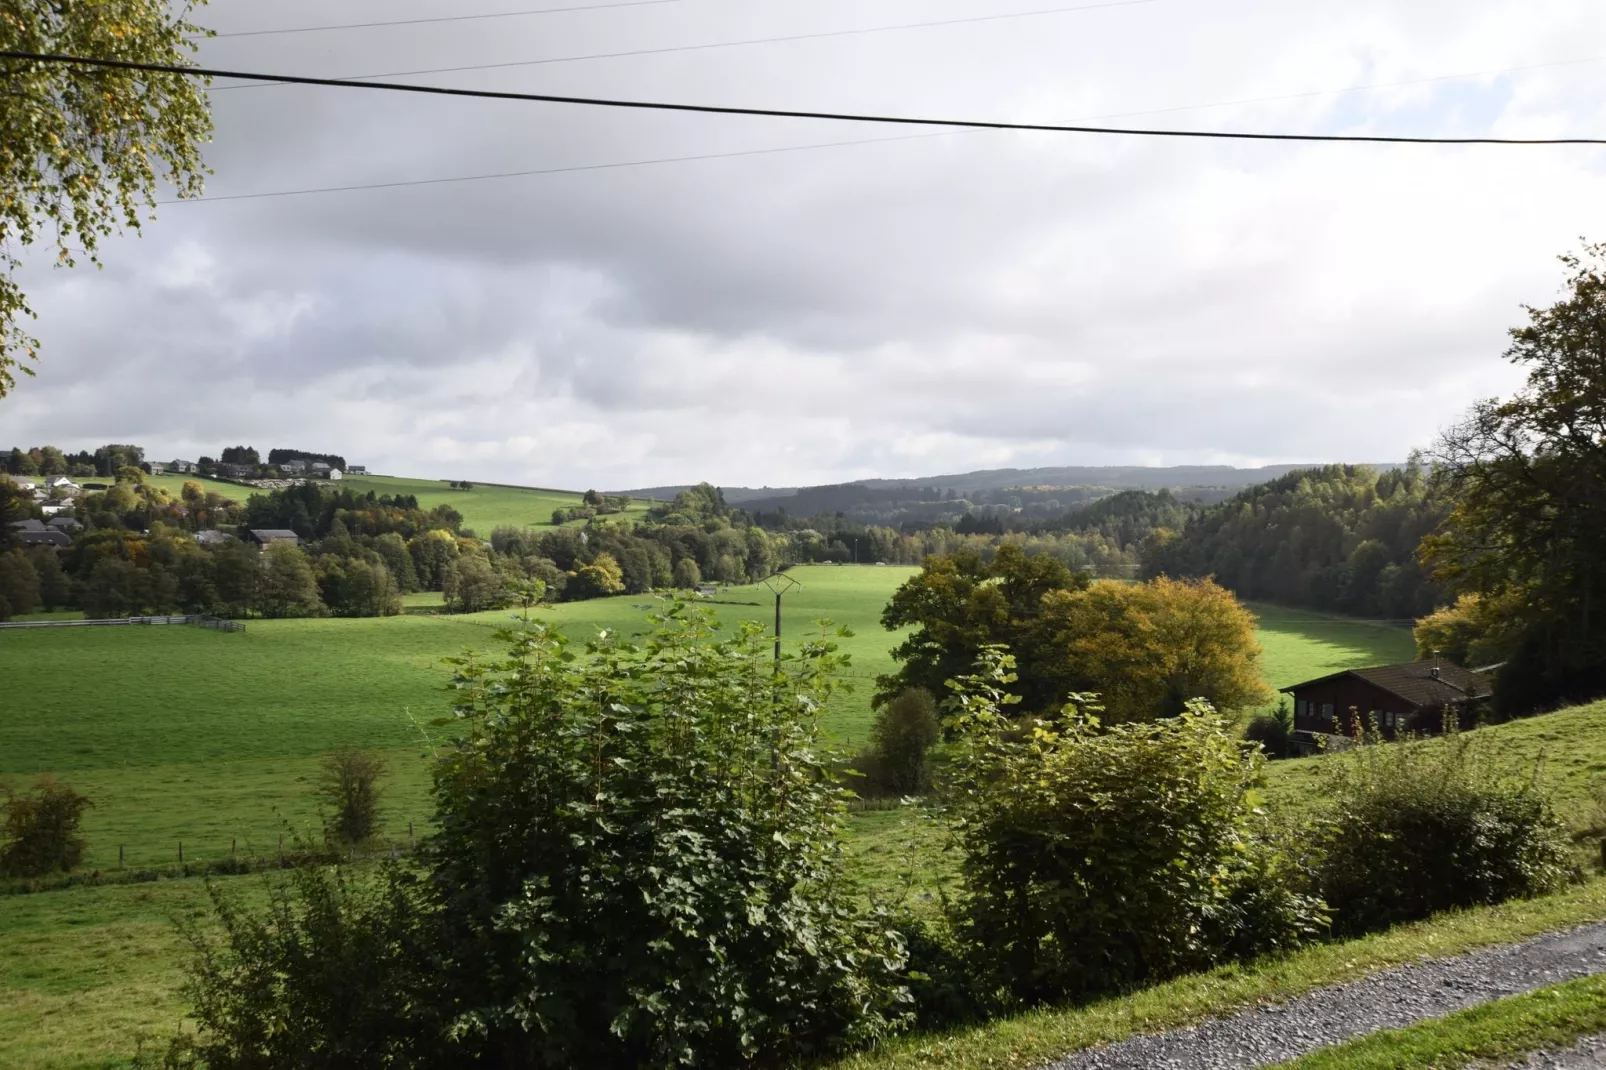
[(1549, 1018), (1053, 1032)]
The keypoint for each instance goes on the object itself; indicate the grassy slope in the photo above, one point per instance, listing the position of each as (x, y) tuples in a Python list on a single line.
[(484, 508)]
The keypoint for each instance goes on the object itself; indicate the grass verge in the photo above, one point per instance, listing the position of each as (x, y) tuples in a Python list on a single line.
[(1549, 1018), (1047, 1033)]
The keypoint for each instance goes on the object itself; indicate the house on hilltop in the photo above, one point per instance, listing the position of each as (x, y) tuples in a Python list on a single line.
[(266, 537), (1412, 697)]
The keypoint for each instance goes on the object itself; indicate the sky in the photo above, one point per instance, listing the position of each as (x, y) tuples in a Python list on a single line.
[(810, 302)]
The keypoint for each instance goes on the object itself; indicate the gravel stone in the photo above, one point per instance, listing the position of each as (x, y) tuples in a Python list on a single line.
[(1393, 998)]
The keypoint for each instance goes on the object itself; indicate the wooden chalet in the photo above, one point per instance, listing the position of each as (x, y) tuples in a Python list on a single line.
[(1413, 697)]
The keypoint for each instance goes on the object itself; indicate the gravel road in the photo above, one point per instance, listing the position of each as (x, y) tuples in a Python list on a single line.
[(1395, 997)]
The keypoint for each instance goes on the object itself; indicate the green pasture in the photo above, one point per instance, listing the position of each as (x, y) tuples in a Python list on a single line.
[(485, 508), (1299, 644), (174, 485), (211, 738)]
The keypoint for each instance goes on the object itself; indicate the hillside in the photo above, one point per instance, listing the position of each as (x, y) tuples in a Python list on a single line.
[(1113, 477)]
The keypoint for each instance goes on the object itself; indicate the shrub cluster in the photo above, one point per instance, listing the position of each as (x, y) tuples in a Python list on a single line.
[(1421, 826), (1097, 857)]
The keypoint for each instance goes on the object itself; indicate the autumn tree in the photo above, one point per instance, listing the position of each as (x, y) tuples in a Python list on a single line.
[(83, 151), (601, 577), (1149, 649), (287, 587), (1528, 478)]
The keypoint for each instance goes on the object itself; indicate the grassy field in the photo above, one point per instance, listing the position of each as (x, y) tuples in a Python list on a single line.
[(174, 485), (211, 738)]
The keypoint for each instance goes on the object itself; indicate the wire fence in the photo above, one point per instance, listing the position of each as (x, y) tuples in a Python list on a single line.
[(215, 623)]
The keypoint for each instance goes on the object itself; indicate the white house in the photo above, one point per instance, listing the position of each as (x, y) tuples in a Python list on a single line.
[(334, 473)]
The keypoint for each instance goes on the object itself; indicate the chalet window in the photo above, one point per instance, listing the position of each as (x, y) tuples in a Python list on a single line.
[(1388, 720), (1299, 708), (1327, 710)]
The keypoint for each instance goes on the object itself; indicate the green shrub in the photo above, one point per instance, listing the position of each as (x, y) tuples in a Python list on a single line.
[(1271, 731), (348, 783), (905, 729), (41, 830), (1097, 857), (333, 972), (1420, 826), (639, 863)]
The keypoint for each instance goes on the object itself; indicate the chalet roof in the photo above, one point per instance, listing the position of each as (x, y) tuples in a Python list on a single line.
[(28, 525), (1416, 682), (212, 537), (268, 534)]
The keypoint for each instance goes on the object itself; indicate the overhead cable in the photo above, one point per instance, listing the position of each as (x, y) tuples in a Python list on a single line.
[(776, 113), (710, 45), (422, 22)]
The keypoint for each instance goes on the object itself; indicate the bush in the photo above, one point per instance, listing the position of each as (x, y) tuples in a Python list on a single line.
[(639, 863), (905, 729), (1098, 857), (334, 972), (1421, 826), (1271, 731), (348, 783), (41, 830)]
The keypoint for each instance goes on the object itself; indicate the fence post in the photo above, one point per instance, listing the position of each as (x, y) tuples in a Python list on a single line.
[(281, 845), (119, 856), (233, 843), (410, 840), (181, 852)]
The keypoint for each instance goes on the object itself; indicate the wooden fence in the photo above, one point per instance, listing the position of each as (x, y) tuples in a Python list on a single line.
[(199, 621)]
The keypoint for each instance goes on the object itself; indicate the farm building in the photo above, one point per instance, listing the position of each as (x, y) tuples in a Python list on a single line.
[(357, 470), (266, 537), (1411, 697), (293, 468), (213, 538)]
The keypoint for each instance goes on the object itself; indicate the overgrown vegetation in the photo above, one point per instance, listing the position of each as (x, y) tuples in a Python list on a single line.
[(40, 833), (638, 863), (1413, 828)]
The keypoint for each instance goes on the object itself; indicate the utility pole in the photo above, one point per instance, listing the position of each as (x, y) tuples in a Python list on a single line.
[(780, 583)]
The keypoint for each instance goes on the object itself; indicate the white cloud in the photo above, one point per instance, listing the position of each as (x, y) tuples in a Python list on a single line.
[(900, 308)]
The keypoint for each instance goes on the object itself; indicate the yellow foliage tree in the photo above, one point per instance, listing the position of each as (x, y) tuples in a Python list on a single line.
[(1147, 649)]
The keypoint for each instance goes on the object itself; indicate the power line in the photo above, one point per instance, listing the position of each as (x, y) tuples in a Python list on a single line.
[(777, 113), (547, 170), (730, 44), (443, 18), (625, 164)]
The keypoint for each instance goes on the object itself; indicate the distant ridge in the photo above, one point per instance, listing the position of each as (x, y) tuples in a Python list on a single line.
[(1115, 477)]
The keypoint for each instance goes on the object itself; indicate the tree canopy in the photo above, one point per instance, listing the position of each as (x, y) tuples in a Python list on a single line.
[(84, 150), (1528, 478)]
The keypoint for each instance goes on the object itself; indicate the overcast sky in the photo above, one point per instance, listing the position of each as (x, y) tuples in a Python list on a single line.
[(896, 307)]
